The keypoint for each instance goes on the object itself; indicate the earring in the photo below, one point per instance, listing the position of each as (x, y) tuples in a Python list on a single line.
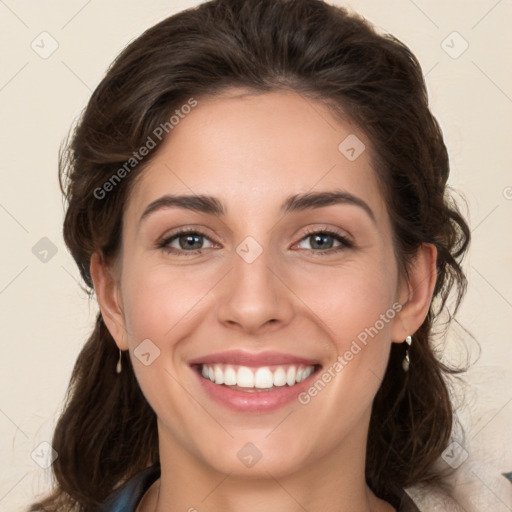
[(406, 361), (118, 366)]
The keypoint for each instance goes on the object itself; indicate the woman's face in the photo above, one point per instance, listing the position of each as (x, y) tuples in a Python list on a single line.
[(278, 277)]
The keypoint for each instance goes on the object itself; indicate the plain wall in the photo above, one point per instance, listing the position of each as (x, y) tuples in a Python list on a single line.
[(46, 317)]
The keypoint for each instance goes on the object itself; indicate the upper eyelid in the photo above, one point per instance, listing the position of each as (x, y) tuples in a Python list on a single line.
[(326, 229)]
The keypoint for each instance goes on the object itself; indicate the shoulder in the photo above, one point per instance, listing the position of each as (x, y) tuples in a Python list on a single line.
[(127, 496)]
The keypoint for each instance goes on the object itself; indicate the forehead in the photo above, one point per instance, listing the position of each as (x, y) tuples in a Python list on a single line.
[(250, 151)]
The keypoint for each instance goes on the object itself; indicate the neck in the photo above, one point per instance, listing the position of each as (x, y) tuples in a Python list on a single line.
[(333, 483)]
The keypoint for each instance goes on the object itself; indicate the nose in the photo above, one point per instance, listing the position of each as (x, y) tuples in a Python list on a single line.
[(254, 297)]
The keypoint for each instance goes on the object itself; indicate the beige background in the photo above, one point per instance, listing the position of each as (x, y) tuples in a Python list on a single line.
[(45, 317)]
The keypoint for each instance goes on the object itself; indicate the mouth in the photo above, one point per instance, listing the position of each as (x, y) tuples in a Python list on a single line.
[(255, 379), (253, 383)]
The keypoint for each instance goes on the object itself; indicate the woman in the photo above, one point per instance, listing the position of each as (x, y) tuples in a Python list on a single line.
[(257, 196)]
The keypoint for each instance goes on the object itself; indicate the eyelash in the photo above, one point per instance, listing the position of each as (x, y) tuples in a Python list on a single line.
[(345, 242)]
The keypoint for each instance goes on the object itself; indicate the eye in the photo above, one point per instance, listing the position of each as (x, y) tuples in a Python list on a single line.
[(190, 241), (322, 241)]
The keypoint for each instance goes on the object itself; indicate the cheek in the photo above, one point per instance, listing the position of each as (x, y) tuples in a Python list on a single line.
[(161, 304), (358, 308), (352, 299), (160, 300)]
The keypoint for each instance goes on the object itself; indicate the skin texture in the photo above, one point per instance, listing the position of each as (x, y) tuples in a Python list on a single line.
[(252, 152)]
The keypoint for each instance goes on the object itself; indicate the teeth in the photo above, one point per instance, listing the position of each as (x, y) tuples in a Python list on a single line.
[(262, 378), (290, 376), (229, 376), (219, 376), (244, 377), (307, 372), (279, 377)]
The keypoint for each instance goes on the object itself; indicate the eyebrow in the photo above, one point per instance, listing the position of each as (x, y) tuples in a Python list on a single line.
[(298, 202)]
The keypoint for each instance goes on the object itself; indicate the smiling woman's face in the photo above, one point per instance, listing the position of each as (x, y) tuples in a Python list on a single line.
[(252, 287)]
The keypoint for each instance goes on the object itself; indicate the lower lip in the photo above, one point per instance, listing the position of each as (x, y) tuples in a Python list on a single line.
[(254, 401)]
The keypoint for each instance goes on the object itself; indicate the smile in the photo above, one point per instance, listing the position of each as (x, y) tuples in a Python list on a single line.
[(256, 378), (253, 382)]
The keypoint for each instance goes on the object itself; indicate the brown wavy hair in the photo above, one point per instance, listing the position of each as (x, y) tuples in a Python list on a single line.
[(107, 431)]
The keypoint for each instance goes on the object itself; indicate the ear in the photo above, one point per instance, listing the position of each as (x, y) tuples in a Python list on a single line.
[(108, 294), (415, 293)]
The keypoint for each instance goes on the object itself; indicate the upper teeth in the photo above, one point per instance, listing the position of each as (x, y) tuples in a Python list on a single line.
[(264, 377)]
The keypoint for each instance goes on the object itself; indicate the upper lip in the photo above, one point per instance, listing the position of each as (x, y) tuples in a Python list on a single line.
[(241, 358)]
